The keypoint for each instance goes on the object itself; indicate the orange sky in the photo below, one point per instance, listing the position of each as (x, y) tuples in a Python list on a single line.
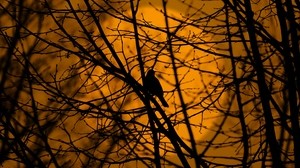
[(191, 79)]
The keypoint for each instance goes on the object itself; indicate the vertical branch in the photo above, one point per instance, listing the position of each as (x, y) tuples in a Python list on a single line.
[(263, 89), (43, 136), (150, 113), (194, 154), (238, 94), (290, 68), (177, 86), (295, 89), (136, 38)]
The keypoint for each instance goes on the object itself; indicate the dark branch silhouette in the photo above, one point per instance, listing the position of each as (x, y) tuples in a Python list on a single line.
[(74, 92)]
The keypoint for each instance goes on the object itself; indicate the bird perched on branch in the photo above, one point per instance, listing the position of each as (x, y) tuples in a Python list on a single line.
[(154, 87)]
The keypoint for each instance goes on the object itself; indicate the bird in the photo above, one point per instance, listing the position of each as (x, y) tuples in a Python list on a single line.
[(154, 87)]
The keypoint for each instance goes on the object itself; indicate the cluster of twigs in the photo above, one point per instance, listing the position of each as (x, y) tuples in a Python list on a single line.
[(72, 74)]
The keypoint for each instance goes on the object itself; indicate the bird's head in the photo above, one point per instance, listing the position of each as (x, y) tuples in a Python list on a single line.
[(151, 72)]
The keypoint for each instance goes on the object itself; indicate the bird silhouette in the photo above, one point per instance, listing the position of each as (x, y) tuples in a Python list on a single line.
[(154, 87)]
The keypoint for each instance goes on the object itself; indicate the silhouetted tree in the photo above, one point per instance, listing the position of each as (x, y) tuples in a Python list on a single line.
[(74, 89)]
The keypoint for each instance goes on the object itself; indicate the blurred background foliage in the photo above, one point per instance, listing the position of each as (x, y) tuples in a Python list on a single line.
[(72, 72)]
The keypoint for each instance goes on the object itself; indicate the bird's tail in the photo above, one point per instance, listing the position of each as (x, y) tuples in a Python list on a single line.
[(163, 101)]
